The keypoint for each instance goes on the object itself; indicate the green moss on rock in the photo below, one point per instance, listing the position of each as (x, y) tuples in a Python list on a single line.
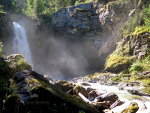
[(133, 108), (117, 63), (146, 85), (140, 30), (17, 63)]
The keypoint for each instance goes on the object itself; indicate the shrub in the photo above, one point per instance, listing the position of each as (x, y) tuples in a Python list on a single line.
[(136, 67), (140, 65)]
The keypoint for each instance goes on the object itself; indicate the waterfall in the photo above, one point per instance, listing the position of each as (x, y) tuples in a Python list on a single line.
[(20, 42)]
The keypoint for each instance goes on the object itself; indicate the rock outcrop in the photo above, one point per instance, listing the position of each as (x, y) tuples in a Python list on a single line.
[(8, 67), (76, 20), (134, 46), (33, 93)]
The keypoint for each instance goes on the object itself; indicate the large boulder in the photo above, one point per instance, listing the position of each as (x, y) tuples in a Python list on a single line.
[(80, 89), (65, 86), (33, 93), (17, 63), (12, 64), (110, 97), (8, 67)]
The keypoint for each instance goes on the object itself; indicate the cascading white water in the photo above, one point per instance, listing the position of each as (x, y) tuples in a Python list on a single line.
[(20, 42), (142, 101)]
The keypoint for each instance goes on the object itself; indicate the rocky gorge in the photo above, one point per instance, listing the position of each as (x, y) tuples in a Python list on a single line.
[(77, 43)]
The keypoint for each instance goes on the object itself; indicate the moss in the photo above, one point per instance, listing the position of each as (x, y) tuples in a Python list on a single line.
[(117, 63), (33, 84), (133, 108), (146, 90), (69, 98), (117, 79), (146, 85), (120, 59), (18, 63), (141, 29), (123, 49)]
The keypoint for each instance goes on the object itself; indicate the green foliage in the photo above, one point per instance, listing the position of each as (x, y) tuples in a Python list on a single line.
[(29, 8), (43, 9), (4, 87), (38, 9), (141, 29), (1, 10), (147, 16), (132, 22), (9, 5), (141, 65), (136, 67), (140, 18)]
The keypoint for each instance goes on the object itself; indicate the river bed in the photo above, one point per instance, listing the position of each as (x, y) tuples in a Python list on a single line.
[(142, 101)]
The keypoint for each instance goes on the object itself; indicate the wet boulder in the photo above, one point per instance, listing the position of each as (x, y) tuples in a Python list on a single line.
[(95, 93), (80, 89), (65, 86), (9, 65), (132, 108), (33, 93), (111, 97), (17, 62)]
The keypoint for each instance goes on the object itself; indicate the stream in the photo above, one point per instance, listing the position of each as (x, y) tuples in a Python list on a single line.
[(142, 101)]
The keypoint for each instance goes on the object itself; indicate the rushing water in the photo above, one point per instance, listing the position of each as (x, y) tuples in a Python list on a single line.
[(20, 42), (142, 101)]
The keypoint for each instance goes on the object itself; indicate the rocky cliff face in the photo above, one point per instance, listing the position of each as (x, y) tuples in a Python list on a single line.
[(100, 23), (76, 20), (132, 51)]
